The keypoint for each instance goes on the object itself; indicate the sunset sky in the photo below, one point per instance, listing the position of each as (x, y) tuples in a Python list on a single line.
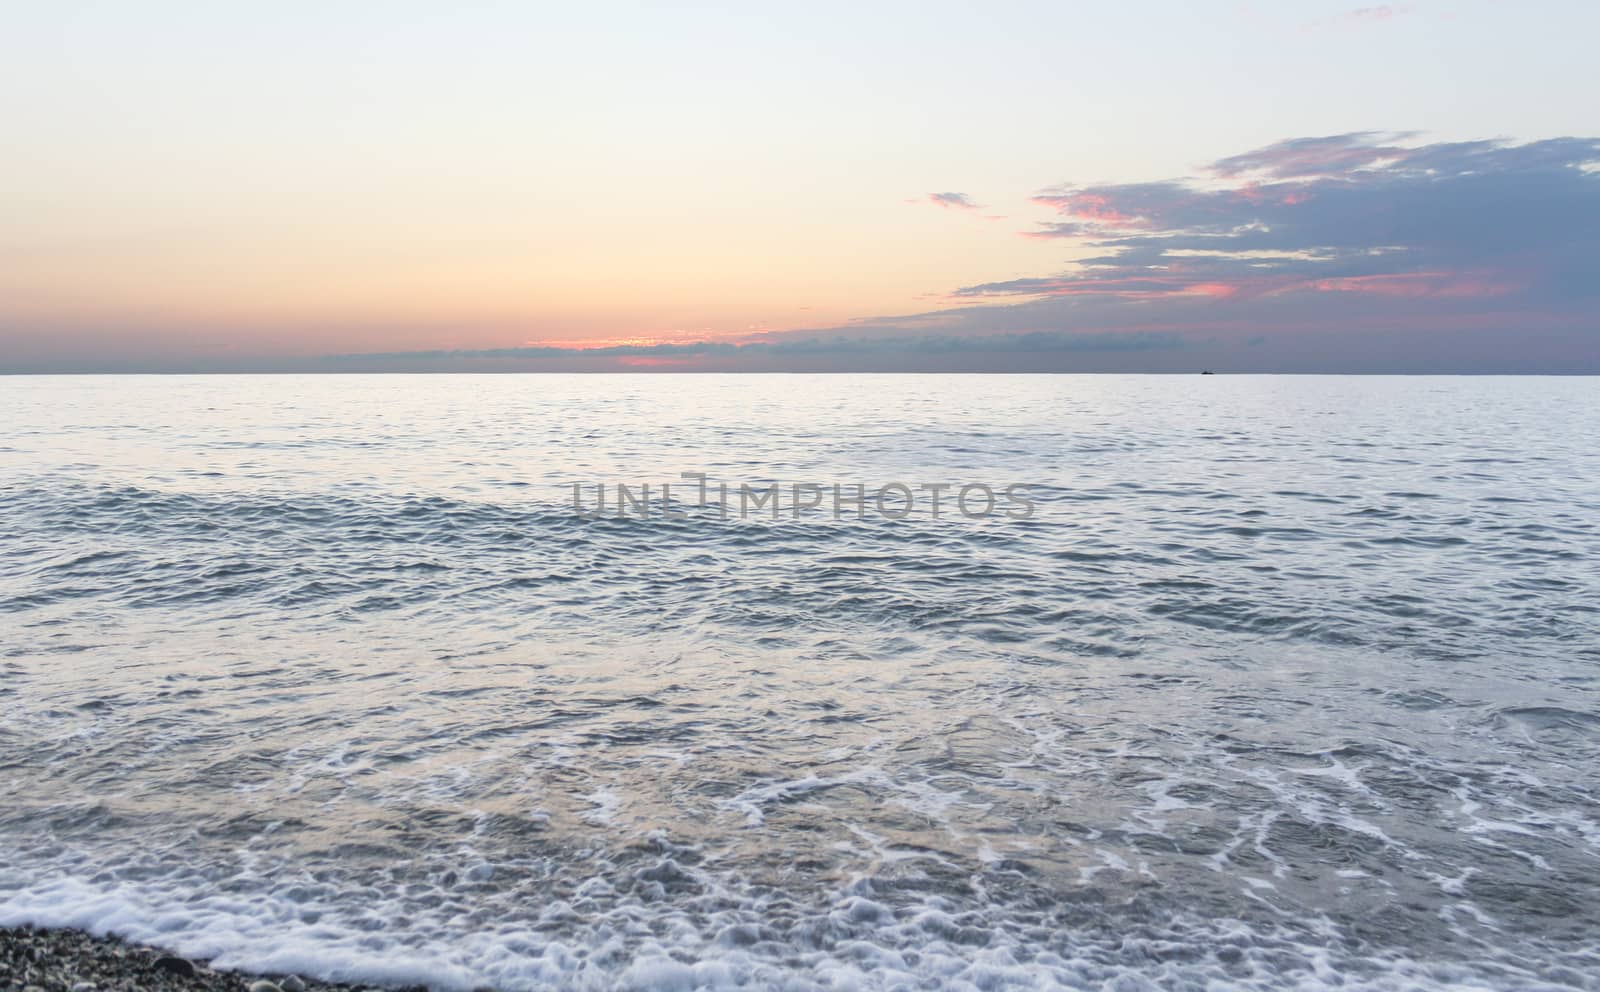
[(1148, 186)]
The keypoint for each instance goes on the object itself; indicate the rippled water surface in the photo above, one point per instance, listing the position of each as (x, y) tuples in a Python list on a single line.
[(1287, 681)]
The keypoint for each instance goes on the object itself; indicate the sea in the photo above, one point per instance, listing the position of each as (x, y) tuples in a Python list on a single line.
[(1013, 682)]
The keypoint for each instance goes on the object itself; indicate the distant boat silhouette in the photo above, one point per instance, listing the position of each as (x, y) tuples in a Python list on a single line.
[(1207, 372)]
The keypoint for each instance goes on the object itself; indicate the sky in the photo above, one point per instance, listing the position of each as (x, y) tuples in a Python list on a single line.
[(349, 186)]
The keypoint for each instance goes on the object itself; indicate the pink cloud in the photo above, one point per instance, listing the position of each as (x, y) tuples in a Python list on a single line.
[(1093, 208), (1302, 157), (1377, 14), (1418, 284), (1382, 12)]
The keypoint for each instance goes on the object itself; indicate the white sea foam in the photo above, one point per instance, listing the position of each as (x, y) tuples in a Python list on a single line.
[(880, 947)]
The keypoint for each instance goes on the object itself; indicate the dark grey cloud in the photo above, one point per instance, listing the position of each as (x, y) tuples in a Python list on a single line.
[(1354, 213)]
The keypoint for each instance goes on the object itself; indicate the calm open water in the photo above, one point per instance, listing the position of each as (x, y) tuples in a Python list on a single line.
[(1287, 681)]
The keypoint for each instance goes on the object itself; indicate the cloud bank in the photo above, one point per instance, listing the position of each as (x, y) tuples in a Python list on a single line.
[(1352, 214)]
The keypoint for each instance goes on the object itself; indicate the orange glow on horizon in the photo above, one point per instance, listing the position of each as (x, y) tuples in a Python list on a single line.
[(593, 344)]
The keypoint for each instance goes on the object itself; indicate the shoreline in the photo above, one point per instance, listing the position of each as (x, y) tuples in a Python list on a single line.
[(53, 959)]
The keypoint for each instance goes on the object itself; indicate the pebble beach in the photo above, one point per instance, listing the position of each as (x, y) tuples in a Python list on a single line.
[(49, 960)]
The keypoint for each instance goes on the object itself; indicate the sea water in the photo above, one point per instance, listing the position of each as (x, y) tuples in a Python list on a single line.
[(1278, 681)]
